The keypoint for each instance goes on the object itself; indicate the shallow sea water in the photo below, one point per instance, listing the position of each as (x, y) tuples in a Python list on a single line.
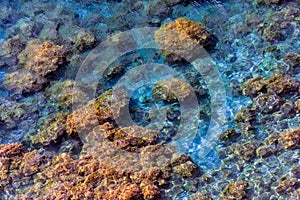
[(252, 40)]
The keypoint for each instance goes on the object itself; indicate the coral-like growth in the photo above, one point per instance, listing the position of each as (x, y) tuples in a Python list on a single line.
[(23, 81), (50, 130), (181, 37), (41, 57), (172, 90), (234, 191)]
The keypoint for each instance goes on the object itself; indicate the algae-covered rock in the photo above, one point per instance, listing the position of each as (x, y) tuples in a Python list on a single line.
[(229, 136), (234, 191), (200, 196), (264, 151), (23, 82), (134, 136), (11, 47), (253, 86), (267, 2), (186, 169), (42, 57), (107, 107), (287, 185), (290, 139), (68, 94), (50, 130), (245, 150), (11, 113), (297, 106), (267, 103), (84, 39), (281, 83), (181, 37), (292, 59), (172, 90)]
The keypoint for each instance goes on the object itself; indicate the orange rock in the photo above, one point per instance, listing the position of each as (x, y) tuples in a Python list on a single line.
[(41, 57), (181, 37)]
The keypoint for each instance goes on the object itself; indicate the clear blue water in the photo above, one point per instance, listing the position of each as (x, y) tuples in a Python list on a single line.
[(242, 52)]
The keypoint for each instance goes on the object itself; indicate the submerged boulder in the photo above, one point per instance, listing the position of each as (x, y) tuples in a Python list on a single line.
[(182, 38), (42, 57)]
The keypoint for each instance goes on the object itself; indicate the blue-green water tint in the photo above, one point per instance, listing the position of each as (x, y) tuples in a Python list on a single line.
[(240, 54)]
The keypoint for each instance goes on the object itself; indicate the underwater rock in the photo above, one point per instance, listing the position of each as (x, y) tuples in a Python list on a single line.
[(245, 115), (62, 176), (200, 196), (42, 57), (150, 191), (292, 59), (297, 106), (277, 26), (267, 103), (68, 94), (245, 150), (11, 113), (235, 190), (12, 150), (253, 86), (134, 136), (172, 90), (84, 39), (11, 47), (264, 151), (186, 169), (287, 185), (272, 33), (182, 38), (281, 83), (290, 139), (9, 153), (23, 82), (34, 162), (267, 2), (50, 130), (105, 108), (229, 136)]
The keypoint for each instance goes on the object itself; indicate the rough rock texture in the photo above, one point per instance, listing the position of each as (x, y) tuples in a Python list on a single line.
[(182, 38), (11, 113), (235, 190), (106, 107), (50, 130), (68, 94), (172, 90), (41, 57), (23, 82)]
